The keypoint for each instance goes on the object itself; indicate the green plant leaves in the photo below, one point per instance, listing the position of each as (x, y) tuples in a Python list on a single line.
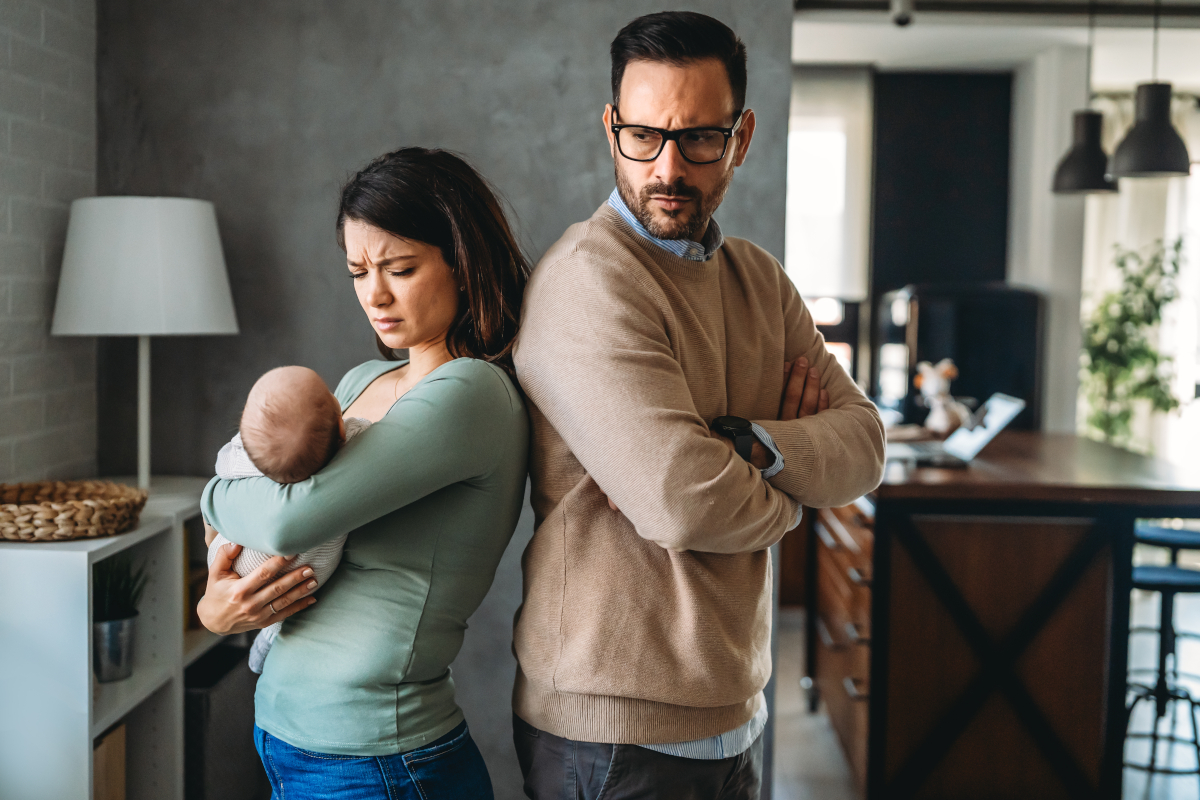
[(1120, 363), (117, 588)]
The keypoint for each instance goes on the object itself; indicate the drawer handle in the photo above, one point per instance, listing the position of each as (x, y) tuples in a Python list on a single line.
[(857, 578), (826, 638), (825, 537), (851, 687), (856, 637)]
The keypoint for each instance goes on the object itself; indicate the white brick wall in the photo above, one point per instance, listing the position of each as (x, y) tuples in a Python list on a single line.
[(47, 159)]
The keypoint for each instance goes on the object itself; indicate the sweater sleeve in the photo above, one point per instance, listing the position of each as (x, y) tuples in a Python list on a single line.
[(438, 434), (595, 358), (831, 458)]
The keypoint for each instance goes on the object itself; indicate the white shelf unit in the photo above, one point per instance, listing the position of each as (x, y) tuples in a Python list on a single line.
[(51, 706)]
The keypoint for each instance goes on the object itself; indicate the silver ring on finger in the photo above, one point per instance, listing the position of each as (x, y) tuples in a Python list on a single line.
[(272, 607)]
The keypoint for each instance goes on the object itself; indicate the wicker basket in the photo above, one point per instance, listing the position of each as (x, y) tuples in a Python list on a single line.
[(54, 511)]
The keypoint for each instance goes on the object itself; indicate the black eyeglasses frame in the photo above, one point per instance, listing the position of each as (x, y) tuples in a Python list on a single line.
[(673, 136)]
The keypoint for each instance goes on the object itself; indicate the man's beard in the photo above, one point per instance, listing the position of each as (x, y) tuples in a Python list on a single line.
[(677, 226)]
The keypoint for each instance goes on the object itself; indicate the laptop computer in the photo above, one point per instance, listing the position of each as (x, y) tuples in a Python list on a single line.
[(966, 442)]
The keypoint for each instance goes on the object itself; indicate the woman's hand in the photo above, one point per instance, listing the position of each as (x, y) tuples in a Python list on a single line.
[(232, 604)]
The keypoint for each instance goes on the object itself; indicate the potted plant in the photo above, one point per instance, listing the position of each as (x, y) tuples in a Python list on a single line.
[(1121, 365), (116, 591)]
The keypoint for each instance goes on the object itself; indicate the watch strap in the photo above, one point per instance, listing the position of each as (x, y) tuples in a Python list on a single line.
[(744, 445)]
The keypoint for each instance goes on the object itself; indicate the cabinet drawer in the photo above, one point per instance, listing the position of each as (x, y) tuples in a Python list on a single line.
[(843, 595), (841, 680), (854, 533)]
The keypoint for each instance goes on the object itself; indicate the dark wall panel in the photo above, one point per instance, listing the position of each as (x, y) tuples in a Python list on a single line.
[(941, 178)]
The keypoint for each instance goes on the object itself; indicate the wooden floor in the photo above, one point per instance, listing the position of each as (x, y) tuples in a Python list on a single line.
[(809, 763)]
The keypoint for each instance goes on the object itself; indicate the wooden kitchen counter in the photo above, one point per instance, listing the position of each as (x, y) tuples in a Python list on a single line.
[(970, 636), (1025, 465)]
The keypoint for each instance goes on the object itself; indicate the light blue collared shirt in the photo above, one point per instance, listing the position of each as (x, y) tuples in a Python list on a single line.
[(737, 741), (684, 248)]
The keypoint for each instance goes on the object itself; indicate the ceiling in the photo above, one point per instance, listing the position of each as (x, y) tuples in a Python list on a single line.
[(1103, 8), (1122, 56)]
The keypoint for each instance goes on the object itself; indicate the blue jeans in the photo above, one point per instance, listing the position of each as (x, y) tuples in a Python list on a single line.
[(450, 768)]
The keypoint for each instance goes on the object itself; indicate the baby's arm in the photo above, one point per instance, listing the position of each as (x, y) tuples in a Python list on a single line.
[(247, 561), (323, 558)]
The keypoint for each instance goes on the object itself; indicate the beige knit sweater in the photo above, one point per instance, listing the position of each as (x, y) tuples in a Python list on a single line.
[(652, 624)]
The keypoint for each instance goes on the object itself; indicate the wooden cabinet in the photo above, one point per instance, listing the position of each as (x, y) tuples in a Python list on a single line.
[(969, 630), (844, 544)]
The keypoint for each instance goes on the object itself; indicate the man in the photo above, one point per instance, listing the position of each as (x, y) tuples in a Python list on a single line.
[(644, 637)]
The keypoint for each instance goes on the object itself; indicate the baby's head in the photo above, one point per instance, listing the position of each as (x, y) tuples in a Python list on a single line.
[(292, 424)]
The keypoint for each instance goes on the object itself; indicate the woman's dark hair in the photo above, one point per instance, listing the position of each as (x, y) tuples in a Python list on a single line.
[(435, 197), (679, 38)]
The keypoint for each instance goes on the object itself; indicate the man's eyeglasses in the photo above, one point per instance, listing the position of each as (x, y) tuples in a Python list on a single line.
[(697, 145)]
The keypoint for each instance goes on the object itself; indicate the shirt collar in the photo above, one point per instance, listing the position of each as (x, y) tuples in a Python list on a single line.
[(684, 248)]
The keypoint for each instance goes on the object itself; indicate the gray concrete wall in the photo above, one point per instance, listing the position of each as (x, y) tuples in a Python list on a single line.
[(266, 107), (47, 159)]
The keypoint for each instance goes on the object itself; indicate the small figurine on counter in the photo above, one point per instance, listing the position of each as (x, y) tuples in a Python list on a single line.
[(945, 413)]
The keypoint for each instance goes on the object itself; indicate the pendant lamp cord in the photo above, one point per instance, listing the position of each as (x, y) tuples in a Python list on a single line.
[(1091, 41), (1157, 6)]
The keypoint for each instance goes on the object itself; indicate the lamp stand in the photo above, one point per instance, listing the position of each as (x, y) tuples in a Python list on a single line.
[(144, 412)]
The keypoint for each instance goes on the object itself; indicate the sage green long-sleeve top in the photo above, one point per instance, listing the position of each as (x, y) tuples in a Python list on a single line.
[(430, 496)]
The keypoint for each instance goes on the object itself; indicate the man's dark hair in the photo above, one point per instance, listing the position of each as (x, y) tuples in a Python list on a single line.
[(680, 38)]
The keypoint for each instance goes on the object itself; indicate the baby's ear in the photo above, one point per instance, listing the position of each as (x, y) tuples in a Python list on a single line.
[(341, 429)]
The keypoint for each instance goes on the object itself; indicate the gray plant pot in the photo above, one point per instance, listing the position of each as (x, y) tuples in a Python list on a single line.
[(112, 649)]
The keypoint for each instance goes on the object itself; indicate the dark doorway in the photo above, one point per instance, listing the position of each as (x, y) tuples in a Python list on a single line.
[(941, 178)]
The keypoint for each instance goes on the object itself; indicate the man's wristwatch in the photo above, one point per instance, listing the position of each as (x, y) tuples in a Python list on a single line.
[(739, 430)]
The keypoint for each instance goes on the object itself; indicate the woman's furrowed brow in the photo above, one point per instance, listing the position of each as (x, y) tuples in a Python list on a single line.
[(382, 262)]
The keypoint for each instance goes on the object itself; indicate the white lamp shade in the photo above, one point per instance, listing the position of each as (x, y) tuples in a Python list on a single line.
[(143, 266)]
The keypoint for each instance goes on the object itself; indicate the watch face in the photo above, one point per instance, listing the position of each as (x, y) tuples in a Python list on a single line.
[(732, 425)]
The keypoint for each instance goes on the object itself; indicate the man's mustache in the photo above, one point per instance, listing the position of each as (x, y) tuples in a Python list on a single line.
[(678, 189)]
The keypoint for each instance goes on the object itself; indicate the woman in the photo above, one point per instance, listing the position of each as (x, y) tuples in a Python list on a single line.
[(356, 698)]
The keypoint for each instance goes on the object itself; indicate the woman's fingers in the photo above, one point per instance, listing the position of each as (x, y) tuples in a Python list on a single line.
[(285, 612), (812, 394), (290, 590), (265, 575), (289, 587), (793, 389), (824, 404)]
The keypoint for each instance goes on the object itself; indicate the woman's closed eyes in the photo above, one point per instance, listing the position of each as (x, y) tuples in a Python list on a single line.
[(398, 273)]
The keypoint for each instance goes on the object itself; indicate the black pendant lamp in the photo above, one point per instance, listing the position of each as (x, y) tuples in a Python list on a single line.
[(1152, 148), (1084, 169)]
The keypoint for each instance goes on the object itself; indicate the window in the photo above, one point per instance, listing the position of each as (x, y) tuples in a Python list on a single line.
[(829, 182), (1144, 211)]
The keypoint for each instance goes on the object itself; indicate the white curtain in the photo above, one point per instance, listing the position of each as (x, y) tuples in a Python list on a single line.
[(829, 182), (1144, 211)]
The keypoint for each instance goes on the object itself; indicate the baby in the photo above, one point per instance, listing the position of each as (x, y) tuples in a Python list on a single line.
[(291, 427)]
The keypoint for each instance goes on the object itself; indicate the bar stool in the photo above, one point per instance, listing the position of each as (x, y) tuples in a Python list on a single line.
[(1168, 582), (1170, 538)]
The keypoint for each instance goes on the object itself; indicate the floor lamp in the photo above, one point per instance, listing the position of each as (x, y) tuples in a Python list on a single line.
[(143, 266)]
